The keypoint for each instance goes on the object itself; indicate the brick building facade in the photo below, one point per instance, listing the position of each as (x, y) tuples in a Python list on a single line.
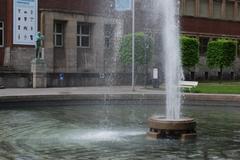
[(208, 20)]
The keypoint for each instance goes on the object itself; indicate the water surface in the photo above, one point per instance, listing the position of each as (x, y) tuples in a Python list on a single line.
[(116, 132)]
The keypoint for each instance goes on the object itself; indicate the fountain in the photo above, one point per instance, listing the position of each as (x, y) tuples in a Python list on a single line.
[(172, 125)]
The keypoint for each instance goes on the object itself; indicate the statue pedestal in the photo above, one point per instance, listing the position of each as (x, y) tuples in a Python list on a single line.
[(39, 70)]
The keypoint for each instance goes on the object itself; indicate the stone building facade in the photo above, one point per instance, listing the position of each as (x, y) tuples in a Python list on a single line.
[(2, 29), (80, 43), (82, 39)]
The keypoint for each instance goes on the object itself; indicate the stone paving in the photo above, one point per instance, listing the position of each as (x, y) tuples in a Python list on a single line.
[(78, 90)]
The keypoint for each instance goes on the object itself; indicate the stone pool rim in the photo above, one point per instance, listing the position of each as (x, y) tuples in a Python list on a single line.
[(119, 94)]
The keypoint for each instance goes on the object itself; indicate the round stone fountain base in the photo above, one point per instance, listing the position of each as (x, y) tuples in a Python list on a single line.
[(160, 127)]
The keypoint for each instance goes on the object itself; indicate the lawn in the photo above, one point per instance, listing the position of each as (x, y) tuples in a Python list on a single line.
[(224, 88)]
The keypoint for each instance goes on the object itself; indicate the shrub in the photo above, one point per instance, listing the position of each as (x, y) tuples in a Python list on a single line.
[(221, 54), (190, 51)]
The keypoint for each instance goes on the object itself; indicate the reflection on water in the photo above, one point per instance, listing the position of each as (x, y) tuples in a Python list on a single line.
[(89, 132)]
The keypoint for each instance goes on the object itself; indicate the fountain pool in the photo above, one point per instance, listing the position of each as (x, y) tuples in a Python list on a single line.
[(37, 131)]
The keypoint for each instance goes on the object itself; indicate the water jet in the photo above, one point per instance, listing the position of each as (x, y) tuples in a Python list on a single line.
[(173, 125)]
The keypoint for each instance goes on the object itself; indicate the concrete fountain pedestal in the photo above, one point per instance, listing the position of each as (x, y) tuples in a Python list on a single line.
[(160, 127)]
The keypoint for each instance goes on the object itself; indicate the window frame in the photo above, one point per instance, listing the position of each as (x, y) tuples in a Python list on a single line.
[(58, 34), (80, 35), (2, 29), (227, 16), (186, 12)]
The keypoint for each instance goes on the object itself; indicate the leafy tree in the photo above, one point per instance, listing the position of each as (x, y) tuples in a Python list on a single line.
[(143, 44), (190, 51), (221, 54)]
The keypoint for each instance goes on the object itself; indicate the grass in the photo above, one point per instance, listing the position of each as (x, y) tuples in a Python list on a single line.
[(217, 88)]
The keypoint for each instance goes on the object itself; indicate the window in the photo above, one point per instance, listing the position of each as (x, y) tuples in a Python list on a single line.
[(1, 34), (203, 9), (230, 10), (190, 7), (109, 34), (83, 35), (217, 5), (58, 34), (181, 7), (238, 17), (203, 45)]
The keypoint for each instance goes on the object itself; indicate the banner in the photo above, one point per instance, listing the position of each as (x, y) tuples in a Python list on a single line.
[(25, 21), (123, 5)]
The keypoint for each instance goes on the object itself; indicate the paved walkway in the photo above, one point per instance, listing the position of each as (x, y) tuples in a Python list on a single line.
[(78, 90)]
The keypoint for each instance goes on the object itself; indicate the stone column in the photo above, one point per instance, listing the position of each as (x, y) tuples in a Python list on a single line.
[(210, 8), (223, 9), (235, 9), (197, 8), (39, 71), (47, 30), (71, 46), (98, 41)]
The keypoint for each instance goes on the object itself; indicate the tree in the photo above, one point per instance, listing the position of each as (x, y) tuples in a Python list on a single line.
[(143, 49), (190, 52), (221, 54)]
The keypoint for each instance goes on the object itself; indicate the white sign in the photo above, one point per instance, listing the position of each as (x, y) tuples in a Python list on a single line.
[(155, 73), (123, 5), (25, 21)]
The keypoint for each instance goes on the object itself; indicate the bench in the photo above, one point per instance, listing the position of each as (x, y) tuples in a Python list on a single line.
[(188, 84)]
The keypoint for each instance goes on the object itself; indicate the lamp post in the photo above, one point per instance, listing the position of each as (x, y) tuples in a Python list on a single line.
[(133, 45)]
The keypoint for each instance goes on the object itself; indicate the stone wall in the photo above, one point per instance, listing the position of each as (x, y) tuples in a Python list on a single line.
[(19, 58), (70, 58), (15, 80)]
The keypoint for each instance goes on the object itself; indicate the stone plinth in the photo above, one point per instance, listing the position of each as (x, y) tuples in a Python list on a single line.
[(39, 70), (160, 127)]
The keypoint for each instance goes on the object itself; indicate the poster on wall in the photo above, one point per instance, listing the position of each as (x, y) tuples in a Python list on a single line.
[(25, 21)]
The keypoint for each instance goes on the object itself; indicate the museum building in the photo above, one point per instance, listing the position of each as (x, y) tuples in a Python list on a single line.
[(81, 38)]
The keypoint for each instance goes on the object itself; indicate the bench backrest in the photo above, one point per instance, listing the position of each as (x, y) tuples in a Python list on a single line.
[(188, 83)]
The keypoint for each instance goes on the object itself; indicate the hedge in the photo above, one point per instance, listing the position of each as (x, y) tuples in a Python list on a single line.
[(190, 51), (221, 53)]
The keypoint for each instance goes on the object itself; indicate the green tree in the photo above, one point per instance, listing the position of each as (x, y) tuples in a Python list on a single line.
[(190, 52), (143, 49), (221, 54)]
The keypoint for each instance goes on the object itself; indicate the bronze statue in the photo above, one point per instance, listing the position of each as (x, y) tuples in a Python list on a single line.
[(38, 45)]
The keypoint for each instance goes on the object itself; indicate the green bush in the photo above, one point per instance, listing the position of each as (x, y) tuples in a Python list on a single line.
[(221, 54), (190, 51), (143, 44)]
